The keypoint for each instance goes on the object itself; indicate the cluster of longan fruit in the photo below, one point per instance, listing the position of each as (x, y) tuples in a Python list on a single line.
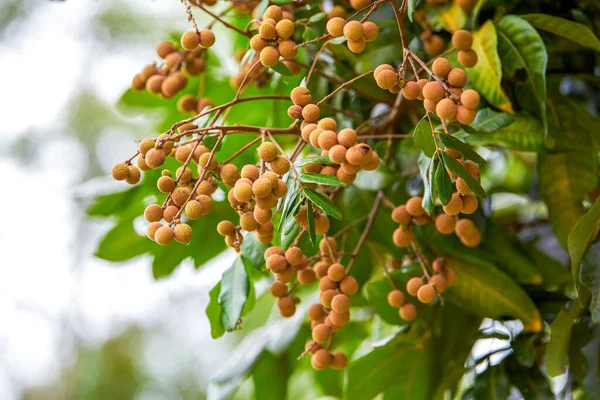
[(303, 108), (357, 33), (405, 215), (397, 299), (164, 234), (341, 148), (442, 278), (274, 38), (126, 172), (189, 104)]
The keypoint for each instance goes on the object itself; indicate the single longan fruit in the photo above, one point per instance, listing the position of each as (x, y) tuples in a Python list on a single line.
[(328, 169), (247, 222), (345, 177), (359, 4), (327, 124), (457, 155), (276, 263), (465, 227), (386, 79), (402, 237), (439, 283), (315, 312), (120, 171), (321, 269), (242, 192), (180, 195), (335, 26), (267, 151), (313, 139), (307, 129), (190, 40), (250, 171), (340, 303), (281, 189), (462, 39), (433, 91), (321, 333), (295, 112), (206, 203), (411, 90), (195, 66), (446, 109), (465, 115), (153, 213), (467, 58), (339, 319), (413, 285), (267, 31), (349, 286), (429, 105), (470, 99), (306, 276), (257, 43), (182, 153), (472, 240), (328, 245), (470, 204), (457, 77), (186, 104), (382, 67), (286, 309), (288, 49), (336, 11), (182, 233), (138, 82), (164, 235), (229, 173), (422, 220), (327, 295), (172, 85), (327, 139), (426, 293), (321, 224), (193, 209), (269, 56), (145, 146), (462, 187), (207, 38), (301, 96), (155, 158), (414, 206), (164, 49), (441, 67), (285, 28), (262, 216), (408, 312), (320, 359), (444, 224), (152, 228), (338, 360), (278, 289), (336, 272), (165, 184), (280, 165), (454, 206), (337, 154), (353, 30), (400, 215), (395, 298), (273, 12), (170, 213), (357, 46), (225, 228), (359, 154), (370, 31), (439, 265), (293, 255), (347, 137), (435, 45), (311, 112), (273, 250)]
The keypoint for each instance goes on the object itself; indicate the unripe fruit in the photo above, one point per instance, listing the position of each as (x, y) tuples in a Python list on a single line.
[(426, 293), (462, 187), (357, 46), (470, 99), (386, 79), (340, 303), (339, 319), (269, 56), (247, 222), (402, 237), (320, 360), (120, 172), (457, 77), (267, 31), (336, 272), (359, 154), (408, 312), (349, 286), (465, 115), (164, 49), (439, 283), (444, 224), (347, 137), (155, 158), (288, 49), (335, 26), (370, 31), (152, 228), (400, 215), (321, 224), (446, 109), (327, 139), (454, 206), (395, 298), (207, 38), (164, 235), (413, 285), (311, 112), (353, 30), (207, 161), (414, 206), (306, 276), (441, 67), (338, 360), (183, 233), (170, 213), (301, 96), (470, 204), (321, 333), (467, 58), (225, 228), (257, 43), (462, 39), (276, 263), (434, 91), (435, 45), (411, 90), (273, 12), (190, 40), (153, 213)]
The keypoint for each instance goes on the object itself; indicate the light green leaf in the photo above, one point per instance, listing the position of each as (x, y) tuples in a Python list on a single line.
[(580, 237), (488, 120), (426, 169), (375, 180), (270, 377), (571, 30), (309, 160), (321, 179), (123, 243), (323, 203), (459, 170), (412, 4), (557, 350), (253, 251), (524, 133), (235, 287), (423, 137), (214, 311), (450, 17)]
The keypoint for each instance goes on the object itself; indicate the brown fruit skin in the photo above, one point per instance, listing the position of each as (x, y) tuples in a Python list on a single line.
[(359, 154), (338, 360), (426, 293), (462, 187), (301, 96), (337, 154), (450, 277), (339, 319), (429, 105), (286, 276), (359, 4), (183, 233), (446, 109), (395, 298), (138, 82), (225, 228), (413, 285), (414, 206), (462, 39), (306, 276), (340, 303), (470, 99), (276, 263), (267, 31), (400, 215), (257, 43), (311, 112), (422, 220), (408, 312), (382, 67), (273, 250), (269, 56), (190, 40), (247, 222), (335, 26), (164, 235), (278, 289), (152, 228), (441, 67), (321, 333), (357, 46), (286, 306), (470, 204), (370, 31), (322, 224), (321, 269), (207, 38), (295, 112), (439, 283), (444, 224), (411, 90), (454, 154), (145, 145), (347, 137), (170, 213), (349, 286), (327, 139), (288, 49), (285, 28), (373, 164), (164, 49), (465, 227), (120, 172), (433, 91), (293, 255), (262, 216), (403, 237), (465, 115), (193, 210), (353, 30), (273, 12), (467, 58), (320, 360), (454, 206), (386, 79), (315, 312), (472, 240), (153, 213), (267, 151), (439, 265), (336, 272), (435, 45), (457, 77), (186, 104)]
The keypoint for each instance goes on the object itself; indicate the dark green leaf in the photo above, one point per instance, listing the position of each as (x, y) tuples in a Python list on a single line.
[(443, 183), (323, 203), (270, 375), (580, 237), (309, 160), (321, 179), (423, 137), (487, 120), (589, 275), (459, 170), (571, 30), (492, 384), (467, 152), (253, 251), (468, 128), (310, 216), (426, 166), (235, 288), (214, 311)]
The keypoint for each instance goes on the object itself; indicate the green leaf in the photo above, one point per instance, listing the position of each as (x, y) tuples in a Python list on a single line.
[(309, 160), (525, 132), (253, 251), (412, 4), (581, 236), (486, 75), (270, 377), (375, 180), (426, 167), (443, 183), (488, 120), (459, 170), (321, 179), (289, 202), (557, 350), (214, 311), (589, 275), (521, 47), (467, 152), (423, 137), (317, 17), (310, 216), (571, 30), (282, 69), (123, 243), (235, 287), (492, 384), (450, 17), (323, 203)]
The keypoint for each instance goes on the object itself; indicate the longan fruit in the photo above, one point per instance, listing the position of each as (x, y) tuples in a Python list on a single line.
[(353, 30), (164, 235), (413, 285), (446, 109), (395, 298), (269, 56), (250, 171), (182, 153), (207, 38), (153, 213), (414, 206), (441, 67), (186, 104), (182, 233), (307, 129), (444, 224), (295, 112), (225, 228), (206, 203), (382, 67), (327, 139), (466, 5), (138, 82), (400, 215), (170, 213), (421, 220), (426, 293), (336, 11), (271, 177), (171, 85), (311, 112), (280, 189), (439, 283), (190, 40), (467, 58), (200, 149), (370, 31), (301, 96), (408, 312), (269, 21), (470, 204), (450, 277), (327, 245), (454, 206), (327, 295), (465, 227), (267, 203), (411, 90), (337, 154), (338, 360), (286, 306), (335, 26), (349, 286), (280, 165), (247, 222), (164, 49), (357, 46), (470, 99), (306, 276), (472, 240), (340, 303), (273, 12), (435, 45), (267, 151), (286, 276), (315, 312), (336, 272), (257, 43), (145, 146), (321, 359), (170, 61), (193, 209), (359, 154), (465, 115), (429, 105), (229, 173), (321, 224), (203, 105), (180, 195), (207, 161), (273, 250), (457, 77), (433, 91), (439, 265), (327, 124), (288, 49), (457, 155), (328, 170), (262, 216), (345, 177), (462, 187), (230, 241), (347, 138), (276, 263), (278, 289), (184, 175), (285, 28), (321, 269), (155, 158), (402, 237), (293, 255), (120, 171), (267, 31), (386, 79), (339, 319), (195, 67), (462, 39), (152, 228)]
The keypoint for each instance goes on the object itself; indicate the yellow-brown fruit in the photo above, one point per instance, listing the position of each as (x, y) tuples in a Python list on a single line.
[(328, 170), (145, 146), (327, 139), (382, 67), (462, 39), (470, 204), (439, 283), (457, 77), (134, 175), (328, 292), (357, 46), (467, 58), (467, 5), (426, 293), (311, 112), (278, 289), (465, 227), (186, 104), (413, 285), (229, 173), (164, 235), (403, 237), (180, 195), (207, 187), (313, 167), (359, 4), (269, 21), (450, 277), (165, 184), (306, 276), (286, 306), (120, 172), (444, 224), (138, 82), (335, 26), (265, 229), (321, 224), (276, 263), (320, 359), (414, 206), (285, 28), (347, 137), (336, 11), (207, 38), (269, 56), (359, 154), (267, 151), (182, 153), (337, 154), (173, 84), (169, 63), (411, 90), (339, 319), (301, 96), (267, 203), (327, 246), (446, 109), (429, 105), (155, 158), (295, 112), (273, 250), (152, 228), (454, 206), (441, 67), (271, 176), (225, 228), (257, 43), (293, 255), (408, 312), (370, 31), (153, 213), (262, 216), (462, 187), (422, 220), (321, 333), (338, 360), (164, 49), (327, 124), (200, 149), (395, 298), (465, 115), (182, 233), (345, 177), (433, 91), (280, 165), (195, 66), (353, 30), (280, 189), (288, 49), (286, 276), (435, 45), (457, 155), (170, 213), (206, 203), (267, 31), (273, 12), (207, 161), (439, 265), (472, 240), (190, 40), (321, 269), (315, 312), (400, 215), (340, 303), (336, 272), (470, 99), (386, 79), (247, 222), (250, 171), (349, 286)]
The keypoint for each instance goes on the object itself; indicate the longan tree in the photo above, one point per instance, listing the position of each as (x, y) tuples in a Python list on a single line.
[(399, 179)]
